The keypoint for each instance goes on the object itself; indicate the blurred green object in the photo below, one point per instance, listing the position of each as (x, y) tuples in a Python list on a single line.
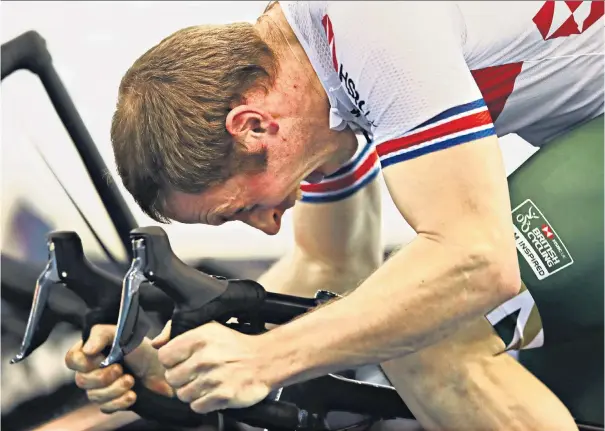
[(565, 181)]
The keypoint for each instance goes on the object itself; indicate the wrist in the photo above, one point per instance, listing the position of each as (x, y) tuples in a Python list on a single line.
[(280, 361)]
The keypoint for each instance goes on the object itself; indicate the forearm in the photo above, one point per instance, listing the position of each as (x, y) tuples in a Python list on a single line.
[(301, 275), (465, 382), (419, 296), (337, 245)]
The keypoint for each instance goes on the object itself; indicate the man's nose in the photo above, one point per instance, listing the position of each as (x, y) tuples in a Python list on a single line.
[(268, 220)]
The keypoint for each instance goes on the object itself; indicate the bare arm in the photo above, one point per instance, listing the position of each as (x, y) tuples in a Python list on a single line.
[(337, 246), (462, 264)]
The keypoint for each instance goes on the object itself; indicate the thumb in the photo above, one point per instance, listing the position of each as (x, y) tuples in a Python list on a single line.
[(163, 337), (100, 336)]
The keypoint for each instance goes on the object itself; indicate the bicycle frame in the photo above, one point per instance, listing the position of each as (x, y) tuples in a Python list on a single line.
[(28, 52)]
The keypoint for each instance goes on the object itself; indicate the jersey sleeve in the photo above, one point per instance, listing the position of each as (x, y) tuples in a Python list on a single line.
[(351, 177), (404, 68)]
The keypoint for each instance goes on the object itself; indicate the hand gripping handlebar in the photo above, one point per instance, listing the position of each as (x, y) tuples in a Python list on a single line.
[(198, 299), (101, 292)]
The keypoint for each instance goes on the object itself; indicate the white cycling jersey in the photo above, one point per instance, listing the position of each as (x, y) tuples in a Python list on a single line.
[(419, 77)]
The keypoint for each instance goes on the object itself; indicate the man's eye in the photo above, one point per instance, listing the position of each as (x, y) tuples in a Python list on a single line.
[(245, 209)]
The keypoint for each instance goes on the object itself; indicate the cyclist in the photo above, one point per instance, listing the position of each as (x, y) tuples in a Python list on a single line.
[(232, 122)]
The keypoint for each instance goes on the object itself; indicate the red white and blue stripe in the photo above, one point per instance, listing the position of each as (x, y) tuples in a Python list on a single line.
[(353, 176), (464, 123)]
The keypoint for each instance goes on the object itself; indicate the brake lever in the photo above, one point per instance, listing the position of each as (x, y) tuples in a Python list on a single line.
[(198, 298), (101, 294), (40, 323), (129, 318), (67, 266), (154, 261), (99, 290)]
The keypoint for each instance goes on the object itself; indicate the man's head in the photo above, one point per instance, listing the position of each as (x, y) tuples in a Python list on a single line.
[(220, 123)]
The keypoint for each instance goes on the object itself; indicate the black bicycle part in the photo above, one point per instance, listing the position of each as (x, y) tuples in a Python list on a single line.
[(200, 298), (29, 52), (101, 292)]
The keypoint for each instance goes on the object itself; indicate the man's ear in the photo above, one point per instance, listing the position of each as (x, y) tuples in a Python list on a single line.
[(244, 122)]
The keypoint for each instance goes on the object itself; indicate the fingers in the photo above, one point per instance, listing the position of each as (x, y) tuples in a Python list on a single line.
[(100, 337), (159, 385), (112, 392), (88, 357), (108, 387), (163, 337), (72, 359), (79, 362), (197, 388), (121, 403), (185, 372), (209, 403), (180, 375), (98, 378), (181, 348)]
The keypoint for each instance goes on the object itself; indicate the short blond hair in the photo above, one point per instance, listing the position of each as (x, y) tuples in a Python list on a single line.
[(168, 131)]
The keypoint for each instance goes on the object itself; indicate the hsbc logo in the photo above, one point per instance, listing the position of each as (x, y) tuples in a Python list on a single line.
[(565, 18), (547, 231)]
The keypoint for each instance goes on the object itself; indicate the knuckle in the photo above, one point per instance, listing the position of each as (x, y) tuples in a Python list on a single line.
[(162, 356), (80, 380), (112, 373), (69, 359), (202, 360), (172, 379), (215, 327), (129, 398), (184, 394), (197, 343), (70, 353), (116, 371), (95, 397), (127, 382), (198, 407), (223, 395), (169, 376), (76, 361), (108, 408), (106, 377)]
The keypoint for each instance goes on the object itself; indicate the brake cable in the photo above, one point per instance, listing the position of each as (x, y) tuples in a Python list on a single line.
[(94, 232)]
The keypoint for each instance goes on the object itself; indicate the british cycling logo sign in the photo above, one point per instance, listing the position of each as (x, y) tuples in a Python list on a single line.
[(565, 18), (538, 242)]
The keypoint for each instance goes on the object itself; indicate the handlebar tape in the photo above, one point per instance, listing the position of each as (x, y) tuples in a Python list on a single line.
[(238, 296)]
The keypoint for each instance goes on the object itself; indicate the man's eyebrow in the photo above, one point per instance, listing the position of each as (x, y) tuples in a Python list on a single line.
[(244, 208), (219, 213)]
